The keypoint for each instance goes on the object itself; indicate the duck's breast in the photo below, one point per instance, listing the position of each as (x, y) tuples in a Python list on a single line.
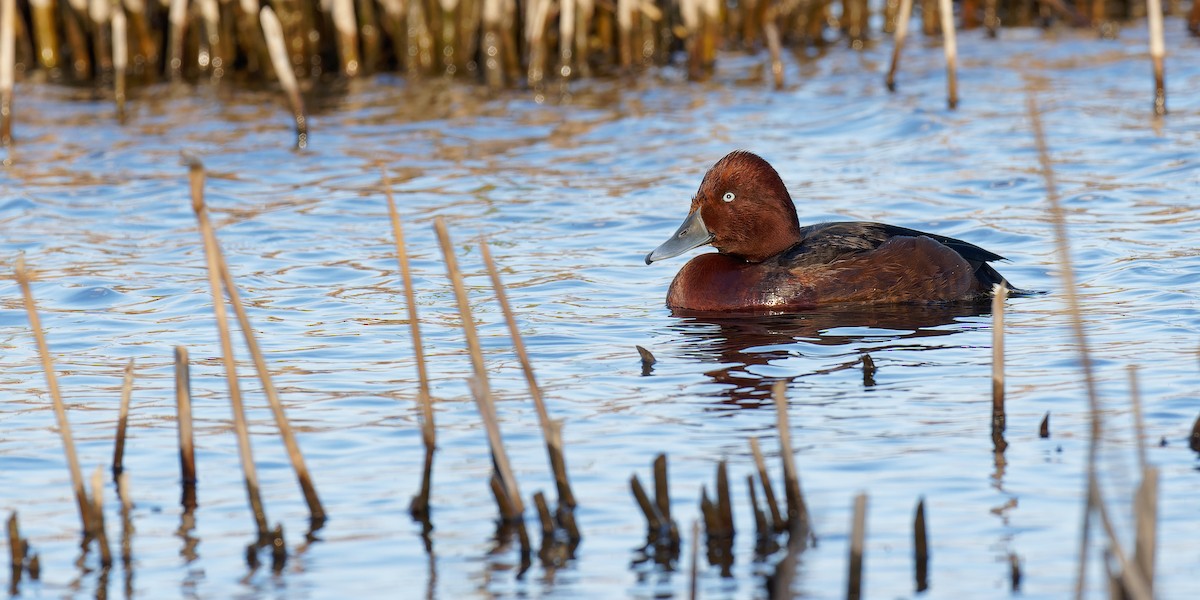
[(716, 282)]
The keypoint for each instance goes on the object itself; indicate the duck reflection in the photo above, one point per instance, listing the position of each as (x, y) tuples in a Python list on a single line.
[(745, 345)]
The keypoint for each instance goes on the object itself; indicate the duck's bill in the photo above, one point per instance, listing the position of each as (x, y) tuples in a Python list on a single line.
[(690, 235)]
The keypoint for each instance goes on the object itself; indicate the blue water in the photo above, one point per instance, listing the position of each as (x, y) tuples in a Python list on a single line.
[(571, 193)]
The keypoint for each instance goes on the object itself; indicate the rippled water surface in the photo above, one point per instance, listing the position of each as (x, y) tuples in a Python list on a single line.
[(572, 193)]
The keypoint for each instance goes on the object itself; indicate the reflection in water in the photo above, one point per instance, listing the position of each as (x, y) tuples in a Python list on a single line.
[(741, 343)]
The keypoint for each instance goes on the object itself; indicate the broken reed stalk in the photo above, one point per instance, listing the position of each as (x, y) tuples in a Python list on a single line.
[(868, 365), (551, 430), (126, 521), (45, 33), (654, 517), (213, 264), (648, 360), (543, 510), (60, 411), (1145, 514), (8, 58), (951, 46), (999, 416), (724, 502), (122, 421), (774, 45), (694, 576), (420, 503), (273, 32), (16, 553), (662, 498), (347, 35), (777, 521), (278, 549), (921, 547), (858, 534), (183, 409), (513, 510), (762, 529), (1139, 427), (120, 50), (901, 33), (479, 381), (1154, 17), (1014, 571), (1132, 580), (1095, 502), (566, 37), (98, 518), (798, 522), (176, 18), (315, 510), (991, 17)]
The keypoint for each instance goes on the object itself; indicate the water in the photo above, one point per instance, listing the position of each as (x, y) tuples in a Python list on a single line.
[(572, 194)]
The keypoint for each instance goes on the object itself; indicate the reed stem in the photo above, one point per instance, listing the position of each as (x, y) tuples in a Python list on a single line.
[(1145, 513), (858, 534), (122, 421), (694, 575), (479, 381), (951, 48), (774, 45), (177, 19), (777, 520), (213, 263), (8, 59), (273, 33), (898, 41), (16, 553), (60, 411), (98, 518), (999, 415), (45, 34), (304, 478), (1139, 426), (183, 409), (654, 516), (799, 526), (420, 503), (120, 59), (1154, 19), (551, 430), (1095, 502), (921, 547), (126, 520)]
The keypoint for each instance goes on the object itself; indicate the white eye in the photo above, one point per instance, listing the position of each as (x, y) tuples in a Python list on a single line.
[(728, 197)]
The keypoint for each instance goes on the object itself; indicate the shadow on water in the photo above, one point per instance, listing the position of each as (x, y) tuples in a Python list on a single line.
[(742, 344)]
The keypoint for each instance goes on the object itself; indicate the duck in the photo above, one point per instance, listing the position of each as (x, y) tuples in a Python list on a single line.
[(766, 262)]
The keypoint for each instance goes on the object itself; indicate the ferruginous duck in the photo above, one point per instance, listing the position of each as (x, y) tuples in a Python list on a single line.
[(767, 262)]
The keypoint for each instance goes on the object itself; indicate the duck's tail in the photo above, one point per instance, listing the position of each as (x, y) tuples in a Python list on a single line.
[(989, 276)]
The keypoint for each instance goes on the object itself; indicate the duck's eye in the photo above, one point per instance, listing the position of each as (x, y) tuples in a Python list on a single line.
[(728, 197)]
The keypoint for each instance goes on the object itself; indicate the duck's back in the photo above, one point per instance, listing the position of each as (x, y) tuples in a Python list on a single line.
[(827, 243)]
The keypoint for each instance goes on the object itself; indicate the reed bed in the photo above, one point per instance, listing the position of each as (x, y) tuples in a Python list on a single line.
[(498, 42)]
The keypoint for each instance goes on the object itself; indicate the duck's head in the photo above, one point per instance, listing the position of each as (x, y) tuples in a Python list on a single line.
[(742, 208)]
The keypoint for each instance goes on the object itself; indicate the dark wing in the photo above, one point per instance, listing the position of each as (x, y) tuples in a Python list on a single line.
[(826, 242)]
